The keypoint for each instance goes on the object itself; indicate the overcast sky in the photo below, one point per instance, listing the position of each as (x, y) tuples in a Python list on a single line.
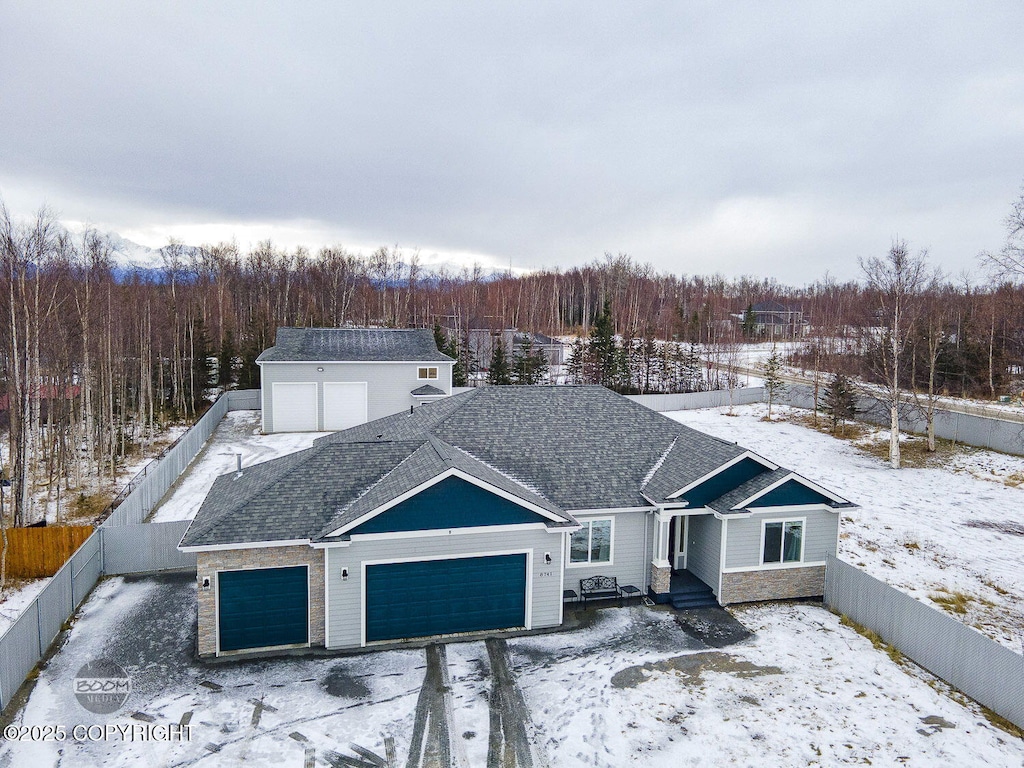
[(776, 140)]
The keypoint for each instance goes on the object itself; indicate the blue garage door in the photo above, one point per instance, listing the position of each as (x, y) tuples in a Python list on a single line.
[(440, 597), (263, 607)]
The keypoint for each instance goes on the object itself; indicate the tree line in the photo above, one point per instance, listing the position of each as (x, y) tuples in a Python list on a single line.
[(97, 359)]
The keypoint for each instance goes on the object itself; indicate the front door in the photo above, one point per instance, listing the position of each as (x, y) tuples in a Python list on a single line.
[(677, 542)]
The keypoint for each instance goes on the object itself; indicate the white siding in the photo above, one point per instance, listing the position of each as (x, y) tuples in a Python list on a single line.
[(388, 385), (704, 548), (345, 597), (743, 545), (629, 557)]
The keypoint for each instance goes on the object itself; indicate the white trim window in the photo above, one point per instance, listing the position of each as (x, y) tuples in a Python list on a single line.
[(782, 541), (427, 373), (592, 543)]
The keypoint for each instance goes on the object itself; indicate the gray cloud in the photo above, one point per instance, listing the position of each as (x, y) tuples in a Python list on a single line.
[(782, 140)]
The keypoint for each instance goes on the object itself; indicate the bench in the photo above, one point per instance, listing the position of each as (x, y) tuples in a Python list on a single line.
[(599, 587)]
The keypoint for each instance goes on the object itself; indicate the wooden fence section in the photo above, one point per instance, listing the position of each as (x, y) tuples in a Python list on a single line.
[(36, 552)]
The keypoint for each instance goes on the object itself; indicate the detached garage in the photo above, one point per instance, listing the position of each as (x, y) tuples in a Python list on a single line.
[(330, 379)]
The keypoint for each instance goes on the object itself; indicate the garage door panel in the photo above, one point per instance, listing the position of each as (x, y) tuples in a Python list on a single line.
[(344, 405), (439, 597), (294, 406), (263, 607)]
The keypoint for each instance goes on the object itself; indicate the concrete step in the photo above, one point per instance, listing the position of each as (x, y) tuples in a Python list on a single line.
[(706, 600)]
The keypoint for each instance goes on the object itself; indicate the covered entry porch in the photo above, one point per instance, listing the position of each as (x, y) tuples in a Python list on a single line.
[(682, 536)]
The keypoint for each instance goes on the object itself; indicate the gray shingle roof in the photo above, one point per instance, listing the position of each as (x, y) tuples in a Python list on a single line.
[(292, 497), (582, 447), (353, 345), (561, 448), (427, 390)]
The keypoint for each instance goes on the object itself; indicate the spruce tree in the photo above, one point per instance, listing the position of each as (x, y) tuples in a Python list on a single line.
[(774, 386), (459, 376), (749, 322), (202, 371), (440, 338), (226, 360), (575, 365), (499, 372), (603, 359), (839, 401), (529, 365), (249, 372)]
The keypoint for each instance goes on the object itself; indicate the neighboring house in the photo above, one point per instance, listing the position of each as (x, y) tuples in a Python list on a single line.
[(326, 379), (554, 350), (482, 341), (775, 320), (475, 513)]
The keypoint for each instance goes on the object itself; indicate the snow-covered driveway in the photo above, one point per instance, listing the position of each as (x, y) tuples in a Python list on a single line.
[(629, 687)]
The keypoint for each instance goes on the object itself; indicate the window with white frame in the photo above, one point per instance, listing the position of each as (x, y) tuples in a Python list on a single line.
[(782, 541), (592, 543), (427, 373)]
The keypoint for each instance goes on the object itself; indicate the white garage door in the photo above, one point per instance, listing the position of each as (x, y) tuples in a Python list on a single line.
[(295, 406), (344, 404)]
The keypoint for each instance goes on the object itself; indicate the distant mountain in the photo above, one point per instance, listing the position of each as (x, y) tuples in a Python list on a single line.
[(129, 256), (126, 253)]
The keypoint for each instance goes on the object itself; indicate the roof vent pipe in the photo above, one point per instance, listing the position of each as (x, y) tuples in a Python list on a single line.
[(238, 463)]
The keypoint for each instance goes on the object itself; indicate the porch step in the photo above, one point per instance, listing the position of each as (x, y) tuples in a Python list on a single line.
[(704, 599), (690, 588)]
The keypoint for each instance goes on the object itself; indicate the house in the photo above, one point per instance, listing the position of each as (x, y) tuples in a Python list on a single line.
[(775, 320), (325, 379), (476, 512), (481, 342), (554, 351)]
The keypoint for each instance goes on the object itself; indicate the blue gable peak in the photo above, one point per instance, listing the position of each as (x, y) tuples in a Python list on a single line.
[(791, 493), (450, 503)]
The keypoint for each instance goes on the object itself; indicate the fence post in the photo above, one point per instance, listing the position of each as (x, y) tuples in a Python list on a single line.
[(39, 627), (103, 551)]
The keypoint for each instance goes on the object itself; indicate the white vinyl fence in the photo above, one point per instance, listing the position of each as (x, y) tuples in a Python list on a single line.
[(688, 401), (122, 544), (988, 672)]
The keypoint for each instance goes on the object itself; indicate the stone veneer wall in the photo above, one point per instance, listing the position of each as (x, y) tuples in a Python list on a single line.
[(661, 580), (772, 584), (269, 557)]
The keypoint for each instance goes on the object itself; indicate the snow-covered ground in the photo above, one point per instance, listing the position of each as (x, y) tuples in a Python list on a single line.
[(958, 527), (14, 601), (629, 688), (805, 690), (239, 432)]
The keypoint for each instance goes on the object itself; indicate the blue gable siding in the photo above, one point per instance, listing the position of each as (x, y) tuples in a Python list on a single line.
[(452, 503), (791, 493), (724, 481)]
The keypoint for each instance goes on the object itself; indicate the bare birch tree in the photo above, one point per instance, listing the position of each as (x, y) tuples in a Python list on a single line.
[(896, 280)]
